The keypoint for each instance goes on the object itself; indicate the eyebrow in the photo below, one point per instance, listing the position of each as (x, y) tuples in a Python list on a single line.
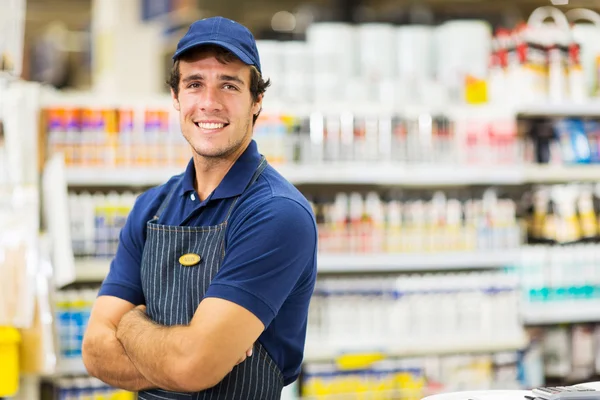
[(225, 78)]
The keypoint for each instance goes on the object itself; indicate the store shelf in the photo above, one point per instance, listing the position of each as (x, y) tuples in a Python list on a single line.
[(561, 109), (71, 366), (369, 174), (96, 270), (91, 270), (560, 173), (323, 352), (124, 177), (343, 263), (404, 175), (358, 174), (561, 312)]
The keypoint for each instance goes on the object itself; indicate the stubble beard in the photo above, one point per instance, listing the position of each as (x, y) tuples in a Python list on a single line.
[(220, 154)]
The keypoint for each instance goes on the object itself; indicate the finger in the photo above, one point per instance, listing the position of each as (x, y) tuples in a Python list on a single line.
[(249, 352), (142, 308)]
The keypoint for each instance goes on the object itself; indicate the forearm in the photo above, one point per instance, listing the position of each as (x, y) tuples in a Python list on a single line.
[(105, 358), (156, 351)]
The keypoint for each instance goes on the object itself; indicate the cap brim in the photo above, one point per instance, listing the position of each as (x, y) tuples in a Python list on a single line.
[(235, 50)]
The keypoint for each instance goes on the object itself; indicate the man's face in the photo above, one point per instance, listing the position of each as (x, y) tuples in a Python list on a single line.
[(215, 105)]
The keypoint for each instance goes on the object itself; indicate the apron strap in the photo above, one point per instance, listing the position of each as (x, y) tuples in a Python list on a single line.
[(259, 170), (165, 202)]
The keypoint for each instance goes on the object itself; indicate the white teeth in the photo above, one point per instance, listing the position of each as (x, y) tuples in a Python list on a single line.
[(210, 125)]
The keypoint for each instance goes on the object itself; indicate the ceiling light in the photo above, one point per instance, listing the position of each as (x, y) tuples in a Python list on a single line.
[(283, 21)]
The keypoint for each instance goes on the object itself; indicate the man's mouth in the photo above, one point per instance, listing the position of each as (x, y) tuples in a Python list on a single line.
[(210, 125)]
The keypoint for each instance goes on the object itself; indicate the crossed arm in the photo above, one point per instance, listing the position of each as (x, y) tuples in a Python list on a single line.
[(126, 349)]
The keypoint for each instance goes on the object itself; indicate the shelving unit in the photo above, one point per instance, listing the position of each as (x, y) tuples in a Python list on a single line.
[(367, 174), (95, 270), (91, 270), (562, 312), (71, 367), (404, 175), (433, 176), (561, 173), (341, 263), (119, 177), (328, 352), (589, 108)]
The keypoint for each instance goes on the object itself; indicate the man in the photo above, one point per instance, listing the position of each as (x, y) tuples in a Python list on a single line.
[(209, 290)]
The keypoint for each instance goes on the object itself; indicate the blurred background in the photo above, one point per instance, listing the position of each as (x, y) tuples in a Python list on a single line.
[(450, 150)]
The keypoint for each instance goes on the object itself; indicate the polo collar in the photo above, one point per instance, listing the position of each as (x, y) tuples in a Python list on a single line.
[(235, 181)]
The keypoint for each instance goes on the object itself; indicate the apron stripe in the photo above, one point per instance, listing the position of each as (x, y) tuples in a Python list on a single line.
[(170, 271), (180, 393), (262, 384), (158, 397), (195, 293)]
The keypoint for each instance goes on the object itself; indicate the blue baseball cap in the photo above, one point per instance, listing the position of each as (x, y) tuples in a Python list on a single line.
[(222, 32)]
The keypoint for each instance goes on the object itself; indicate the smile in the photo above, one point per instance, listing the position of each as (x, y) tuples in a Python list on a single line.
[(210, 125)]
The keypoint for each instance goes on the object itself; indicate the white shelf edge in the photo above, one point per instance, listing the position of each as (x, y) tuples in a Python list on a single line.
[(421, 175), (330, 263), (565, 108), (575, 311), (324, 353), (92, 270), (70, 366), (87, 176), (546, 173), (349, 173), (95, 270), (358, 174)]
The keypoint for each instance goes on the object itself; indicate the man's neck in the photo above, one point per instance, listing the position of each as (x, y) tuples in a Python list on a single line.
[(210, 172)]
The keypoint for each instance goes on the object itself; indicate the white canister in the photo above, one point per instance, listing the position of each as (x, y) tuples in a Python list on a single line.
[(414, 51), (376, 51), (271, 57), (588, 37), (296, 88), (333, 48), (296, 58), (327, 88), (462, 48), (360, 90)]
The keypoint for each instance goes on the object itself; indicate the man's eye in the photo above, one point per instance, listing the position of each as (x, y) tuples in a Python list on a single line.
[(229, 87), (194, 85)]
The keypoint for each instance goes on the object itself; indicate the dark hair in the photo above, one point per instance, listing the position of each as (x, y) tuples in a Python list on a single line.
[(258, 85)]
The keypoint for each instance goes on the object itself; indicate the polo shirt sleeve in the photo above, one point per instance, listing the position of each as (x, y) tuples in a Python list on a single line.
[(123, 279), (270, 255)]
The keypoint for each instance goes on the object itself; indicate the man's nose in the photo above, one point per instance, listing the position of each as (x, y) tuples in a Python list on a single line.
[(210, 100)]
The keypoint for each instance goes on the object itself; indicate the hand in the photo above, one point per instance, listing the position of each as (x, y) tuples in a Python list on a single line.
[(141, 308), (247, 354)]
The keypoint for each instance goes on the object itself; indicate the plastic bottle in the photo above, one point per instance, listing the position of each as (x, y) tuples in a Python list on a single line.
[(558, 62), (125, 137)]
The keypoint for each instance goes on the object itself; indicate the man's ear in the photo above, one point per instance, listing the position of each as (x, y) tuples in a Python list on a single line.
[(175, 100), (257, 106)]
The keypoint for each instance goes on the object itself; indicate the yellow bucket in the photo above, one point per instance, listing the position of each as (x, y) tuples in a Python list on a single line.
[(9, 361)]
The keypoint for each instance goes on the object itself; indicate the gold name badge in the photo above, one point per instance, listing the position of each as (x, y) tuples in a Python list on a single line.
[(189, 260)]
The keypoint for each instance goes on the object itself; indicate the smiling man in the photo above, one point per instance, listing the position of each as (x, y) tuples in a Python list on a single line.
[(208, 293)]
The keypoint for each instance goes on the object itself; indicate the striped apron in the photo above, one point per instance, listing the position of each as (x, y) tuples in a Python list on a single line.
[(173, 292)]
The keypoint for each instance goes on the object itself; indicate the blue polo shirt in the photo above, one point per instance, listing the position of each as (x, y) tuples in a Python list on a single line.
[(270, 260)]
